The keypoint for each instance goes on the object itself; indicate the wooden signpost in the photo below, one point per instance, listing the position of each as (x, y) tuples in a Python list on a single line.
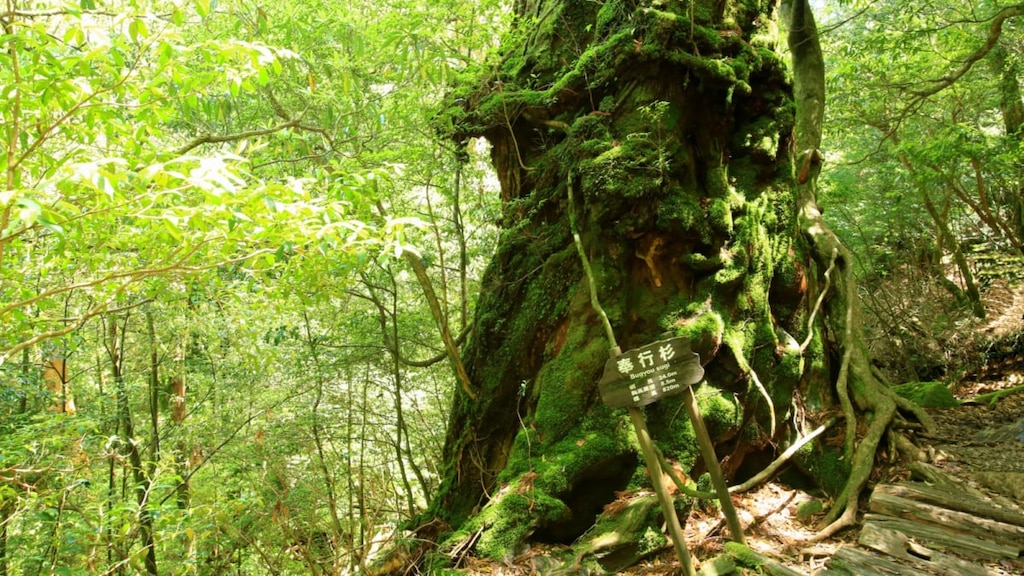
[(642, 375), (664, 368)]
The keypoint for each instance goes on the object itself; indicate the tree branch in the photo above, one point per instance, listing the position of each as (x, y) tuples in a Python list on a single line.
[(459, 340), (994, 32), (127, 279), (221, 138)]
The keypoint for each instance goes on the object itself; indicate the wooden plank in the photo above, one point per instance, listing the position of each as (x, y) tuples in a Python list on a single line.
[(952, 520), (863, 563), (935, 537), (954, 500), (937, 476), (898, 545)]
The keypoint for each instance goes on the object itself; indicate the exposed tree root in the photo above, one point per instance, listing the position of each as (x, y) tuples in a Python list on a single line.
[(860, 390), (844, 512)]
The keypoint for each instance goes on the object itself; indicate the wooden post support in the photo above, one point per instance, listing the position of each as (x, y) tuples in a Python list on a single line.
[(707, 451), (668, 507)]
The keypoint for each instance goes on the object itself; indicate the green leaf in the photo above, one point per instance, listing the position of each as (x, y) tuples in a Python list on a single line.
[(137, 29), (50, 225), (269, 202), (30, 211)]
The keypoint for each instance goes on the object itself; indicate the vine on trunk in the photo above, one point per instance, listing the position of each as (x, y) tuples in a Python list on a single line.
[(858, 387)]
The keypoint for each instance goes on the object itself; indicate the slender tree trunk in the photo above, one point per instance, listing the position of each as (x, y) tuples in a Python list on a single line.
[(55, 375), (154, 395), (9, 501), (361, 489), (460, 234), (858, 388), (350, 541), (23, 401), (6, 516), (397, 377), (182, 453), (115, 351), (111, 500), (322, 460), (947, 241), (1012, 108)]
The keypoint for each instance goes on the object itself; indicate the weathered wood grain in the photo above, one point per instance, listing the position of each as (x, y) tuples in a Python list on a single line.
[(901, 546), (953, 500), (882, 502), (862, 563), (935, 537), (941, 479)]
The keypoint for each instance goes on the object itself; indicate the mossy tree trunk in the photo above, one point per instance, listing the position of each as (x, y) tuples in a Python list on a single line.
[(674, 122)]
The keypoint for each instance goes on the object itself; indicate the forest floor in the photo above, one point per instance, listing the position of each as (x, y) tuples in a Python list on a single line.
[(980, 441)]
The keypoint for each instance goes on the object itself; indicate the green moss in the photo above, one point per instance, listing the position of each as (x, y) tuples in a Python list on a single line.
[(927, 394), (720, 411), (565, 383), (825, 465), (636, 527), (650, 541), (606, 16), (682, 208), (731, 276), (532, 500), (806, 510), (704, 484), (992, 397), (720, 214), (789, 367), (704, 330), (673, 435), (565, 460), (702, 263), (745, 556), (511, 517)]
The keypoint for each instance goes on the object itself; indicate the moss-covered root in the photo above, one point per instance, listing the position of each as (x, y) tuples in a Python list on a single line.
[(844, 512)]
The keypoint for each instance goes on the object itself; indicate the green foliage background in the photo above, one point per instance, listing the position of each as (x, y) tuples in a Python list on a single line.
[(245, 178)]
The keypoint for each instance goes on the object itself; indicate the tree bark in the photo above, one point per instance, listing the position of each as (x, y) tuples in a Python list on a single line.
[(695, 161), (55, 375), (115, 352), (1012, 107), (6, 515), (330, 485)]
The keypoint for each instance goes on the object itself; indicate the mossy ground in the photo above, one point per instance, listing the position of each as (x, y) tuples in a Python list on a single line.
[(927, 394)]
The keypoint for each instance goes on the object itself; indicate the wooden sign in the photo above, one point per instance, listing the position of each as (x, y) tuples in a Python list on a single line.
[(642, 375)]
